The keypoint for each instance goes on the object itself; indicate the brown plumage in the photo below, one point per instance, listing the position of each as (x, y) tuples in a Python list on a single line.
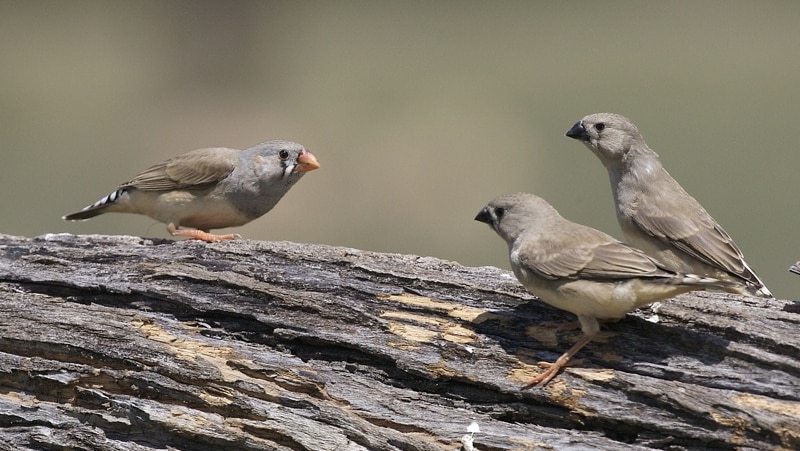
[(655, 213), (580, 269)]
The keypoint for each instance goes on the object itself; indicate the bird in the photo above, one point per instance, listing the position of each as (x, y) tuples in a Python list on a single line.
[(655, 213), (580, 269), (209, 188)]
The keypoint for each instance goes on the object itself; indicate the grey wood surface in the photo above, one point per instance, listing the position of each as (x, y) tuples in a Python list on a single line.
[(125, 343)]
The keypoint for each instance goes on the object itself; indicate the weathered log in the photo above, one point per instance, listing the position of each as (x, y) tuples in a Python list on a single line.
[(125, 343)]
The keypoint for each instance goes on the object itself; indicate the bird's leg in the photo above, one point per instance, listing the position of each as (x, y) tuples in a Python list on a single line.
[(199, 234), (555, 367)]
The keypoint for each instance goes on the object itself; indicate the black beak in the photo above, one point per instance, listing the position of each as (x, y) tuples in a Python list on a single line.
[(578, 132), (484, 216)]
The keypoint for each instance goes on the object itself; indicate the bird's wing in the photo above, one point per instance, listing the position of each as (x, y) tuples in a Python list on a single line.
[(696, 234), (587, 256), (619, 261), (549, 264), (194, 169)]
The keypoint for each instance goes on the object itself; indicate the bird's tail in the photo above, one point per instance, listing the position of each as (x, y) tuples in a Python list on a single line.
[(748, 289), (708, 282), (730, 286), (760, 291), (753, 285), (96, 208)]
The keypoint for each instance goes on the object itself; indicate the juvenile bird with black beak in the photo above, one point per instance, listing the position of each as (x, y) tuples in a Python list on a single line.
[(655, 213), (580, 269)]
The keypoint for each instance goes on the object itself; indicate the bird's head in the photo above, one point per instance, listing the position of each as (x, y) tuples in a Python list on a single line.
[(609, 136), (512, 215), (281, 159)]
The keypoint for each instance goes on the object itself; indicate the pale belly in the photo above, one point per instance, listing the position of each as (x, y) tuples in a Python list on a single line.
[(185, 209)]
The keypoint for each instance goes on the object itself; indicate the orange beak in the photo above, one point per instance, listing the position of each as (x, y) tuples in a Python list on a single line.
[(306, 162)]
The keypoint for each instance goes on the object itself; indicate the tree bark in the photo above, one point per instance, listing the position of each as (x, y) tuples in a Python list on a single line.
[(125, 343)]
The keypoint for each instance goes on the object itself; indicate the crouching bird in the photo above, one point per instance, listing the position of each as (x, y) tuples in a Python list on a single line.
[(209, 188), (580, 269)]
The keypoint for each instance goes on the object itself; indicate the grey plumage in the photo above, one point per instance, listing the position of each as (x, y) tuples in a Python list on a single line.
[(655, 213), (580, 269), (209, 188)]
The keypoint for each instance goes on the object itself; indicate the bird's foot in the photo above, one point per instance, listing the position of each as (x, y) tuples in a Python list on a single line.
[(205, 236), (543, 378), (552, 370)]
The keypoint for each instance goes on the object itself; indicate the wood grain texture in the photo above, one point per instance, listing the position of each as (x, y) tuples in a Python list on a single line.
[(125, 343)]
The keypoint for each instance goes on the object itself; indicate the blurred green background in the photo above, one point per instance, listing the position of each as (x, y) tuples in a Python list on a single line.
[(419, 112)]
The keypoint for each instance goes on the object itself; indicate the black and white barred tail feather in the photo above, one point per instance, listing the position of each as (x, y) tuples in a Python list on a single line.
[(96, 208), (710, 282), (731, 286)]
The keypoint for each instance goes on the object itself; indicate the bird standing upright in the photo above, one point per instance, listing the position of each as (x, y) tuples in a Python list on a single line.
[(580, 269), (209, 188), (655, 213)]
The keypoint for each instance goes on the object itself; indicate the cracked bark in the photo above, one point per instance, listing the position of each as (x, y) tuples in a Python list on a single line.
[(135, 344)]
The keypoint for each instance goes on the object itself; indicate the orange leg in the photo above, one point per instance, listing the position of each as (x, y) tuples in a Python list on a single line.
[(564, 360), (200, 234)]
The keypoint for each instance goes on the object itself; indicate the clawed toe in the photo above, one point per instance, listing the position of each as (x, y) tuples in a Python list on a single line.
[(204, 236)]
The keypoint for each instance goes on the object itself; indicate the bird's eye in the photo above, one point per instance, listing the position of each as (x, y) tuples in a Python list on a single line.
[(499, 212), (284, 154), (600, 126)]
